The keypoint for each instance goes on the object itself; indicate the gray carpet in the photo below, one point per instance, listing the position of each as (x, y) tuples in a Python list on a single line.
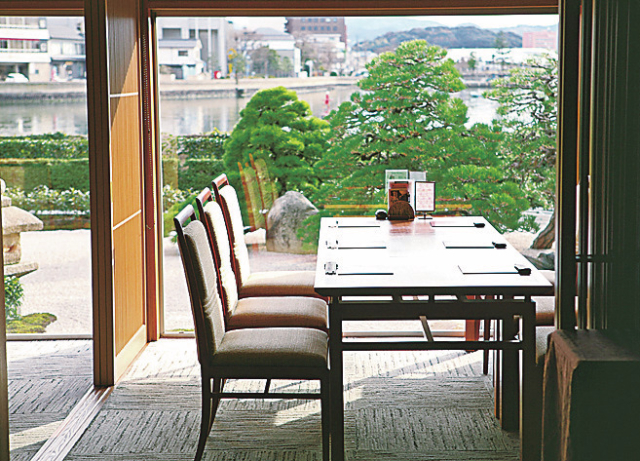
[(46, 380), (399, 406)]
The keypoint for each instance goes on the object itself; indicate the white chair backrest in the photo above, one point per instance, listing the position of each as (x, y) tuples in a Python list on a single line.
[(240, 252), (215, 218)]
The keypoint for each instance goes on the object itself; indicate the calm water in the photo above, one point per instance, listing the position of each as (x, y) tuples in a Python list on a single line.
[(187, 116)]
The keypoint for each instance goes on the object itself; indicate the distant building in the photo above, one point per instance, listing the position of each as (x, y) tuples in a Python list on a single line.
[(191, 46), (317, 26), (540, 39), (23, 48), (67, 48), (282, 43)]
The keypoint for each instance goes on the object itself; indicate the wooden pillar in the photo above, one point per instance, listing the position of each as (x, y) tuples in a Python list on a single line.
[(567, 164), (114, 97), (615, 166), (4, 379)]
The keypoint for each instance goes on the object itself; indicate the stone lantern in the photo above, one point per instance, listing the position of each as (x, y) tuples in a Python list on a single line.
[(15, 221)]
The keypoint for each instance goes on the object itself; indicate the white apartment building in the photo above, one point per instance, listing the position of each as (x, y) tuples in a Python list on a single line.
[(24, 48), (282, 43), (190, 47), (67, 48)]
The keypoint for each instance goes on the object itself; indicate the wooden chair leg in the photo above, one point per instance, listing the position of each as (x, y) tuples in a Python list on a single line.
[(326, 417), (207, 417), (218, 385)]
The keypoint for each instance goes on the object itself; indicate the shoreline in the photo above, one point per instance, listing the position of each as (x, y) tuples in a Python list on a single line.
[(171, 89), (38, 93)]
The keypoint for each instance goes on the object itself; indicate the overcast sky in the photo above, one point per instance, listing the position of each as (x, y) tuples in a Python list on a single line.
[(480, 21)]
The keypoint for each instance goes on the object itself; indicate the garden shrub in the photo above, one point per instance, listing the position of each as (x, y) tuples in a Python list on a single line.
[(206, 146), (53, 146), (171, 212), (27, 174), (43, 199), (197, 173), (70, 174), (13, 293), (36, 172), (170, 172)]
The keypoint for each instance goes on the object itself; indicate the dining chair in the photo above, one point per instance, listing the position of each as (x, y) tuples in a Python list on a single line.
[(250, 353), (269, 311), (250, 284)]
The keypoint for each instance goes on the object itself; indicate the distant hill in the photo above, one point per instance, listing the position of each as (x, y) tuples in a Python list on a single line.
[(446, 37), (521, 29), (368, 28)]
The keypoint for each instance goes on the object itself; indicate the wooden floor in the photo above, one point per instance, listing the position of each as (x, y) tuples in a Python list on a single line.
[(399, 406), (46, 380)]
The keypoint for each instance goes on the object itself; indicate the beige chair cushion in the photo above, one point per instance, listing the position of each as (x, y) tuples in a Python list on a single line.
[(228, 194), (197, 242), (279, 283), (545, 310), (273, 347), (293, 311), (213, 215), (542, 343)]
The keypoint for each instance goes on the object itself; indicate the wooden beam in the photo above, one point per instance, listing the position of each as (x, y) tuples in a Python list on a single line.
[(42, 7), (4, 377), (99, 170), (350, 7), (567, 163)]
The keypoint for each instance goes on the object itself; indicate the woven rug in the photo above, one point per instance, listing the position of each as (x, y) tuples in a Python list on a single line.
[(46, 380), (399, 406)]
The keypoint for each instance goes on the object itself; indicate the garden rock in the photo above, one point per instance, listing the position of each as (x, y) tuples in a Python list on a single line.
[(284, 219)]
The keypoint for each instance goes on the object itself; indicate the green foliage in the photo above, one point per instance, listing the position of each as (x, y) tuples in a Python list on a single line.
[(171, 196), (27, 174), (53, 146), (13, 293), (70, 174), (197, 173), (43, 199), (174, 209), (204, 146), (528, 108), (32, 323), (279, 128), (405, 118), (170, 171), (192, 161)]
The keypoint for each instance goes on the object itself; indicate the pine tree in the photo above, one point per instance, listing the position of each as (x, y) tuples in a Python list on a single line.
[(406, 118), (279, 128)]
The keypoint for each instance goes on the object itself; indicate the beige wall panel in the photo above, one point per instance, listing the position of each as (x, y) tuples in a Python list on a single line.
[(124, 55), (126, 160), (128, 271)]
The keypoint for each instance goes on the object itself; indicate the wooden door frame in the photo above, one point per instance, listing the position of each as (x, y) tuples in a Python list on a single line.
[(152, 179)]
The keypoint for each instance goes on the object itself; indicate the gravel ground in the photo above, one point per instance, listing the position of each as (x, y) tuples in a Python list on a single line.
[(62, 284)]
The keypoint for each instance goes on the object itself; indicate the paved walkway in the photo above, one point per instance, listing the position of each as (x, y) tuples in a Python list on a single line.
[(62, 284)]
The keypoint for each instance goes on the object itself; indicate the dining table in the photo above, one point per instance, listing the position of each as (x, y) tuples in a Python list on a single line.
[(440, 268)]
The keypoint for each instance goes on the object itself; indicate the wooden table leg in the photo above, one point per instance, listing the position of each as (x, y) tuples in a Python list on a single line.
[(529, 448), (337, 385), (510, 374)]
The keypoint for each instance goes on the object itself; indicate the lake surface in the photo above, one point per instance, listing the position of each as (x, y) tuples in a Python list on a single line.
[(193, 116)]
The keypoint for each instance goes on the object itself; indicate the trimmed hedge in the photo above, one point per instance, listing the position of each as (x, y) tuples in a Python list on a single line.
[(197, 173), (60, 162), (27, 174), (52, 146), (170, 172), (205, 146)]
